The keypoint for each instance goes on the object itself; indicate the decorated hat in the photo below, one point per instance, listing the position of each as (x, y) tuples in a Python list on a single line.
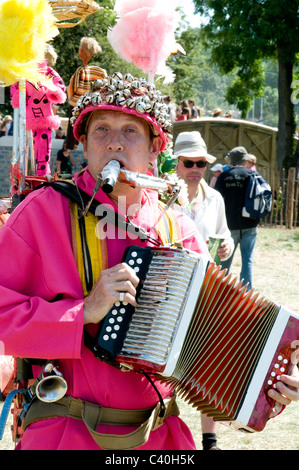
[(128, 95)]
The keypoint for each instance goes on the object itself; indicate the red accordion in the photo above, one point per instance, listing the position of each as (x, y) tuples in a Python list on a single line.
[(197, 328)]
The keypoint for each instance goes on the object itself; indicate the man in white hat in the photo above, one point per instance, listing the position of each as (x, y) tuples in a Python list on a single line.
[(206, 207)]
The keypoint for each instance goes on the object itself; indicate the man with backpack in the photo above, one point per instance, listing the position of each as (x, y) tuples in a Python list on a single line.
[(234, 185)]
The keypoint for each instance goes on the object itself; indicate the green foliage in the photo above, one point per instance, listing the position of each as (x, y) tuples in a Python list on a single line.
[(166, 163), (242, 34)]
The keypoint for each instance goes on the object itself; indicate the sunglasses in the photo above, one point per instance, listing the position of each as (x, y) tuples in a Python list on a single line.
[(191, 163)]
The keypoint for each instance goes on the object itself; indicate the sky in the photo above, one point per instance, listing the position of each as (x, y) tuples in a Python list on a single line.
[(188, 8)]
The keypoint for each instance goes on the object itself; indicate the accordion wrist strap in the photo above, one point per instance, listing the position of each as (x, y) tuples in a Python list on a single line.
[(93, 415)]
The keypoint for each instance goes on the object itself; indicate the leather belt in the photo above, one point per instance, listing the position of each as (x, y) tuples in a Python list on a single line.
[(147, 419)]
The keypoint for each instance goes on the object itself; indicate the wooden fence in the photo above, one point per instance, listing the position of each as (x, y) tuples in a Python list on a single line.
[(285, 188)]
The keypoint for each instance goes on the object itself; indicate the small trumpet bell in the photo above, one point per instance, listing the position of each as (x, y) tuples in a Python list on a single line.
[(52, 386)]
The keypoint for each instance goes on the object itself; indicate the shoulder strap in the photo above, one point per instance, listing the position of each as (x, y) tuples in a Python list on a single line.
[(71, 191), (169, 230), (90, 249)]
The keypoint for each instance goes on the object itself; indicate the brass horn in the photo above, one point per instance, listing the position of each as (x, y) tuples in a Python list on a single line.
[(52, 386)]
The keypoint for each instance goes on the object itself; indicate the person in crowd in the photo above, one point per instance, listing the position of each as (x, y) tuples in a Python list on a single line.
[(228, 114), (6, 124), (4, 215), (252, 162), (184, 104), (227, 165), (40, 117), (206, 208), (216, 170), (217, 112), (59, 134), (171, 107), (193, 109), (184, 114), (65, 161), (232, 185), (206, 205), (81, 80)]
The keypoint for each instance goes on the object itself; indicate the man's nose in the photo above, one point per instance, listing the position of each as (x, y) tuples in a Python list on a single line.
[(115, 144)]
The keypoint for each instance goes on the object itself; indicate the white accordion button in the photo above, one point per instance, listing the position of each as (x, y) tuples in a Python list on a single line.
[(134, 254), (105, 337)]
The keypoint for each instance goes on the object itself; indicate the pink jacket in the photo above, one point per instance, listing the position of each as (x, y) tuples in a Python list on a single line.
[(41, 315), (39, 101)]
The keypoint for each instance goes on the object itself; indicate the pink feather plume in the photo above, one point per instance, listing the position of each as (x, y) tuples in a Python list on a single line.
[(145, 34)]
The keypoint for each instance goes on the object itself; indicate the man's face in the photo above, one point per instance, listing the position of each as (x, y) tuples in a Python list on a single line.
[(114, 135), (191, 175)]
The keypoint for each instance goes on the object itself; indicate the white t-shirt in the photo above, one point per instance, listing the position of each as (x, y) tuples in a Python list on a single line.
[(209, 216)]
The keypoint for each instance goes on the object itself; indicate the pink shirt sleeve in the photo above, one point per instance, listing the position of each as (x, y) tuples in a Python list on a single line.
[(41, 298)]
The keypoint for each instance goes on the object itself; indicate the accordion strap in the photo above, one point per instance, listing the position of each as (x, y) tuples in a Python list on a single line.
[(147, 419)]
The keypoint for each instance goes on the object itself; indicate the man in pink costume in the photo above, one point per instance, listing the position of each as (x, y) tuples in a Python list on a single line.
[(43, 311), (40, 117)]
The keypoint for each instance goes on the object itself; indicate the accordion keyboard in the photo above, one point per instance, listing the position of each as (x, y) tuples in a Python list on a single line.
[(147, 331)]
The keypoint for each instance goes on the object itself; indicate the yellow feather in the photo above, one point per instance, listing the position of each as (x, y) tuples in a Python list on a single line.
[(25, 28)]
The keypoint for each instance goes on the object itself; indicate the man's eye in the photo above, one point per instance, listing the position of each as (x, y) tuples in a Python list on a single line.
[(100, 128)]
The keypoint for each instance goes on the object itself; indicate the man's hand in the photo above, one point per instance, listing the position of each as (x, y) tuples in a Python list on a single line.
[(287, 389), (106, 291), (224, 250)]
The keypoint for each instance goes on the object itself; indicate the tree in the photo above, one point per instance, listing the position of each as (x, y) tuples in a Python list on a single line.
[(242, 34)]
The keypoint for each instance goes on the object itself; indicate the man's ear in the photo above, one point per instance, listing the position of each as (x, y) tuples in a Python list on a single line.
[(156, 147), (83, 141)]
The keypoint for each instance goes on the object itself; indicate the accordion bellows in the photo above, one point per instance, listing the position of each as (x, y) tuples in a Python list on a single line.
[(197, 328)]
